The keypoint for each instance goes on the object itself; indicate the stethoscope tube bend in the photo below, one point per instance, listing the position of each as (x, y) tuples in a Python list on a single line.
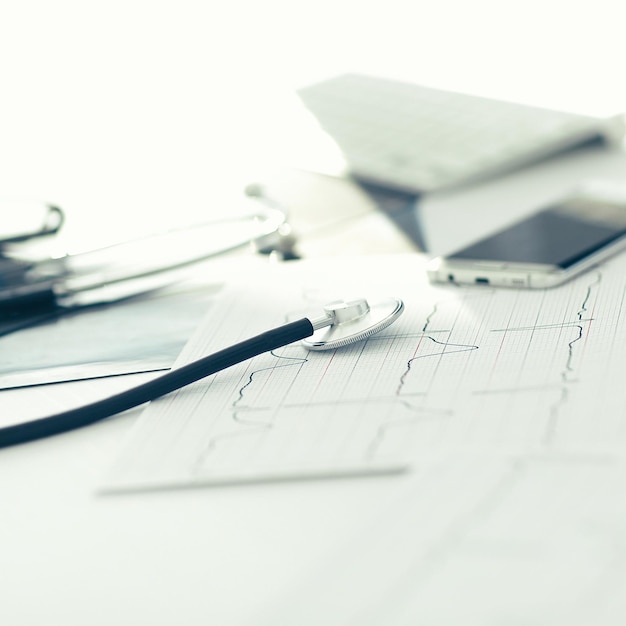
[(175, 379), (354, 314)]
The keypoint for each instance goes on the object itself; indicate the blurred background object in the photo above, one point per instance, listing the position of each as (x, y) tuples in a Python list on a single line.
[(132, 112)]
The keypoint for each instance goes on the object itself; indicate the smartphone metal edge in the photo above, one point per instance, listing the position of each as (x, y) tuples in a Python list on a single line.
[(516, 275)]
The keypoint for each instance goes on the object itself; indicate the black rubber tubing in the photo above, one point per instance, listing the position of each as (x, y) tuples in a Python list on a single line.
[(174, 379)]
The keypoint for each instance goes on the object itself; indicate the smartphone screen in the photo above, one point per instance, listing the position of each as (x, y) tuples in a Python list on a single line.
[(560, 235)]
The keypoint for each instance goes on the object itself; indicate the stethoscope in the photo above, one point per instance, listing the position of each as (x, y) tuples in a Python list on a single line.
[(343, 323)]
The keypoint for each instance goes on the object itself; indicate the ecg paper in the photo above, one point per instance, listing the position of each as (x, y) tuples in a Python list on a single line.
[(464, 368)]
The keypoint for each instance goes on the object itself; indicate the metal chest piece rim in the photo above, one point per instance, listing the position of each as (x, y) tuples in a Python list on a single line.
[(347, 322)]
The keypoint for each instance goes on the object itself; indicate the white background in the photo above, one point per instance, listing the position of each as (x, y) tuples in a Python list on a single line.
[(131, 112)]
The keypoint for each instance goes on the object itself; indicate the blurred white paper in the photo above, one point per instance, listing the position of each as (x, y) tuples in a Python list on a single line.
[(136, 335), (452, 219)]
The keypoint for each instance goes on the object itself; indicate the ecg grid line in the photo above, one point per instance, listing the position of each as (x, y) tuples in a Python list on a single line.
[(462, 367)]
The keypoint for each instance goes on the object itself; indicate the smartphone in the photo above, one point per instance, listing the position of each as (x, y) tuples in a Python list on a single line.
[(547, 248)]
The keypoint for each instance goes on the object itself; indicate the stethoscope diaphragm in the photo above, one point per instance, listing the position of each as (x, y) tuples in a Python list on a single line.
[(352, 321)]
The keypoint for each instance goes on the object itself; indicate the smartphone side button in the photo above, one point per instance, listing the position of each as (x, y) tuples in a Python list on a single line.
[(519, 281)]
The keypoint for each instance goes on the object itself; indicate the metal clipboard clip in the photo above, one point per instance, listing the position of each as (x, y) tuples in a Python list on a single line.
[(31, 220), (130, 267)]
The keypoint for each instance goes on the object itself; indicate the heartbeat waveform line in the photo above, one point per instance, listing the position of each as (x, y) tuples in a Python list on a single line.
[(577, 324), (579, 315), (568, 368), (542, 326), (570, 354), (241, 391), (209, 448), (252, 427), (565, 379), (385, 427), (426, 333), (429, 317), (381, 433), (384, 400), (462, 347)]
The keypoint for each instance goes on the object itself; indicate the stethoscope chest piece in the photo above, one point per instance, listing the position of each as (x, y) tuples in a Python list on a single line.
[(349, 321)]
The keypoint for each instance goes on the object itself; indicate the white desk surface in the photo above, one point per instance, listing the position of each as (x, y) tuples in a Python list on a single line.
[(219, 556)]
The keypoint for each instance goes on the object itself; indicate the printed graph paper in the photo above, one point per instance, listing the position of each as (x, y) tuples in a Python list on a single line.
[(462, 369)]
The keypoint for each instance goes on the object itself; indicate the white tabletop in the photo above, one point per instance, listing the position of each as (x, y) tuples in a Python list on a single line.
[(190, 557)]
